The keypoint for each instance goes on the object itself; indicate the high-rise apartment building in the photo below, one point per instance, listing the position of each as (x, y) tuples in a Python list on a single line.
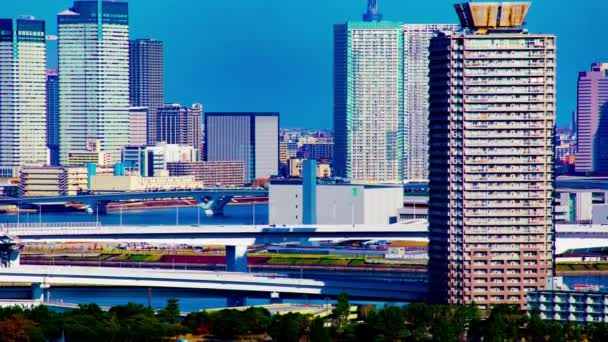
[(22, 93), (368, 101), (94, 82), (176, 124), (52, 115), (492, 113), (592, 121), (416, 42), (146, 79), (252, 138)]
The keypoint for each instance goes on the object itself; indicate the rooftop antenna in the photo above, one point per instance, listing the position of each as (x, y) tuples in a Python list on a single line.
[(372, 11)]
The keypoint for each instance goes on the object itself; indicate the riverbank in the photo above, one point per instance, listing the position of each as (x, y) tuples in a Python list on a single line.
[(266, 263)]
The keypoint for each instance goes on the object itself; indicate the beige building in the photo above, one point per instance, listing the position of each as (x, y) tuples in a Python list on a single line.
[(111, 183), (295, 169), (56, 180), (92, 153), (37, 181)]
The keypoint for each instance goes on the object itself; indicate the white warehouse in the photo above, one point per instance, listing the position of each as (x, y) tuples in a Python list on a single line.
[(336, 203)]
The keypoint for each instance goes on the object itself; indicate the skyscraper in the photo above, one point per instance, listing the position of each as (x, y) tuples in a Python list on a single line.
[(368, 101), (52, 115), (417, 39), (252, 138), (492, 113), (94, 82), (146, 79), (22, 93), (176, 124), (372, 13), (592, 121)]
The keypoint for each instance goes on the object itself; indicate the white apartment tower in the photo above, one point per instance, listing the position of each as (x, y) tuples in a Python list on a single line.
[(94, 82), (492, 114), (416, 42), (368, 101), (22, 93)]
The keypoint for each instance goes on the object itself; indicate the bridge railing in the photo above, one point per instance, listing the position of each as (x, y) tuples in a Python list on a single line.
[(66, 227)]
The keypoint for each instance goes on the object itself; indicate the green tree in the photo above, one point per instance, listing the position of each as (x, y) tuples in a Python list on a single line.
[(198, 322), (536, 329), (256, 320), (318, 331), (171, 313), (342, 310), (288, 327), (227, 324)]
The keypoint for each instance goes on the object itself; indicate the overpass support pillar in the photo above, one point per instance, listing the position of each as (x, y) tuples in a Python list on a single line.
[(14, 257), (213, 206), (235, 300), (40, 291), (236, 258), (98, 207)]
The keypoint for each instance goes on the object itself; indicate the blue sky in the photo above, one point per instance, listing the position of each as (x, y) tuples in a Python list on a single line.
[(276, 55)]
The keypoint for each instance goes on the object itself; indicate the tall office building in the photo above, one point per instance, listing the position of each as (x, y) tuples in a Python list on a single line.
[(94, 82), (252, 138), (52, 115), (492, 113), (146, 79), (592, 121), (22, 93), (176, 124), (368, 101), (417, 39)]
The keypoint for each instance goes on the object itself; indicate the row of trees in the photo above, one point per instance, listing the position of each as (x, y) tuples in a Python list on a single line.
[(415, 322)]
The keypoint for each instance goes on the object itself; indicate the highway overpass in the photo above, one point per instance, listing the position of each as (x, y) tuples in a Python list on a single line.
[(235, 238), (43, 277), (211, 200)]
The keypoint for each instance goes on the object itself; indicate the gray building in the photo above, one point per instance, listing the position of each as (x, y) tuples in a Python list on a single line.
[(176, 124), (250, 137), (146, 79)]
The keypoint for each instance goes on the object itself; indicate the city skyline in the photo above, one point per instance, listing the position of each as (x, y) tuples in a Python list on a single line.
[(214, 68)]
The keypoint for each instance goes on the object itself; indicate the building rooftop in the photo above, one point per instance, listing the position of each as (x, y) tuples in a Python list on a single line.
[(485, 16)]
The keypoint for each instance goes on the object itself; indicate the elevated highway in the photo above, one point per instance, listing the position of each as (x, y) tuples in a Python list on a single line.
[(44, 277)]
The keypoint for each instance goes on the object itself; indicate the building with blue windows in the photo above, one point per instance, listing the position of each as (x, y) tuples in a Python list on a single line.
[(249, 137), (94, 69), (52, 115), (22, 93)]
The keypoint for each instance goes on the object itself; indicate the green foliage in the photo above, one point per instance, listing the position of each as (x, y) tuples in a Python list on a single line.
[(342, 310), (170, 314), (288, 328)]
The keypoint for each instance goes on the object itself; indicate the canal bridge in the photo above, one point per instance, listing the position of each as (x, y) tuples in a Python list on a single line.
[(212, 200)]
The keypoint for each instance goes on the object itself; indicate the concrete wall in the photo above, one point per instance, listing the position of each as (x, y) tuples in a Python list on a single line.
[(285, 204)]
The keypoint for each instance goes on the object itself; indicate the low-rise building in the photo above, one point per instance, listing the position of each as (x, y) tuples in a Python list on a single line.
[(559, 303), (35, 181), (92, 153), (335, 203), (152, 160), (211, 173), (295, 169), (112, 183)]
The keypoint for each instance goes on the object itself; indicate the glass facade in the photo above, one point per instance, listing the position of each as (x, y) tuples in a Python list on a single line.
[(22, 93), (94, 83), (252, 138)]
